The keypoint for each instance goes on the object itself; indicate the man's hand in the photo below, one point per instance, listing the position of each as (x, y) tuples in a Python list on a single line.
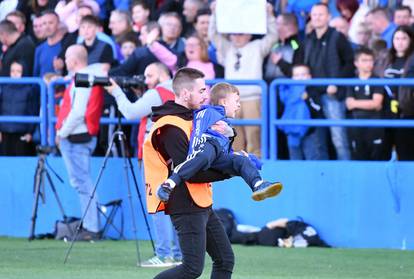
[(164, 192), (58, 64), (152, 36), (331, 90), (350, 103), (111, 87)]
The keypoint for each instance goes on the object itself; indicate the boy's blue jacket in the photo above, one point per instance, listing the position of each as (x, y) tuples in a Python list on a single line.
[(295, 108), (203, 119)]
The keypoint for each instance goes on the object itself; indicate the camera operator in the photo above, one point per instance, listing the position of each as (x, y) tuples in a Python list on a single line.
[(77, 127), (159, 83)]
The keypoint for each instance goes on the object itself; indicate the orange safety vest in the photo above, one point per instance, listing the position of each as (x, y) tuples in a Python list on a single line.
[(156, 168)]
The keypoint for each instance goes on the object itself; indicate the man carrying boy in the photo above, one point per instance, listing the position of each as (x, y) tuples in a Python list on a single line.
[(210, 147), (365, 102)]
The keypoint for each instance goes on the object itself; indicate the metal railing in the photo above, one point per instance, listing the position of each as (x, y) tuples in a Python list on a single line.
[(274, 122), (42, 118)]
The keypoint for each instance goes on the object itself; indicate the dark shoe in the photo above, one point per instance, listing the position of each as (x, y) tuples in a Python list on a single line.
[(164, 192), (85, 235), (266, 190)]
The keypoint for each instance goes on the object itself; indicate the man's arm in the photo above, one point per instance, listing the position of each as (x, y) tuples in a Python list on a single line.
[(173, 144)]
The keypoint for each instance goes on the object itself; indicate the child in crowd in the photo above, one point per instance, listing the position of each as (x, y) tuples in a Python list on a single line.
[(18, 100), (129, 42), (304, 142), (210, 147), (366, 102)]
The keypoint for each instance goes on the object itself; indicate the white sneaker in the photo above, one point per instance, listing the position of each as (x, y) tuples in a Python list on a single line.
[(158, 262)]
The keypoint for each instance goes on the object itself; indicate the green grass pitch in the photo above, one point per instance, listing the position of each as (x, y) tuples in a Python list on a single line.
[(43, 259)]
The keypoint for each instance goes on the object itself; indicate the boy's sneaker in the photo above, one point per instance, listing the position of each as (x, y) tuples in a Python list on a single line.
[(164, 192), (266, 190), (158, 262)]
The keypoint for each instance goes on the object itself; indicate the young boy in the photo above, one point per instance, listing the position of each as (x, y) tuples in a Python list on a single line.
[(210, 147), (365, 102), (304, 142)]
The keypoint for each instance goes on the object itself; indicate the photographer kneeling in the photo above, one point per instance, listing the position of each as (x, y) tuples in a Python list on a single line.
[(77, 128), (159, 83)]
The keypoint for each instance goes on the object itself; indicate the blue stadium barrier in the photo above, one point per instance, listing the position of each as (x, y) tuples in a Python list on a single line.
[(263, 121), (274, 122), (41, 119)]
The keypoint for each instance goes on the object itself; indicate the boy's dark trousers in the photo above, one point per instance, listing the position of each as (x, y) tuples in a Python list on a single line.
[(199, 232), (210, 154), (368, 144)]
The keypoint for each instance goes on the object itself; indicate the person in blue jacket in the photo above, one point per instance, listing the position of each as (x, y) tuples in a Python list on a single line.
[(210, 147)]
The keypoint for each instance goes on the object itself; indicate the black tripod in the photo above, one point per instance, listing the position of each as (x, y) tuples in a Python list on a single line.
[(120, 136), (39, 187)]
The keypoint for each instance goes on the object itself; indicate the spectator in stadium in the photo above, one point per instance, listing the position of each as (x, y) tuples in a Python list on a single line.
[(68, 11), (19, 20), (243, 59), (120, 23), (19, 48), (159, 83), (378, 20), (195, 56), (98, 51), (170, 32), (301, 10), (190, 10), (38, 32), (77, 127), (304, 143), (198, 227), (201, 22), (396, 66), (329, 55), (363, 36), (18, 100), (366, 102), (46, 53), (402, 16), (140, 12), (129, 42), (141, 57), (285, 52)]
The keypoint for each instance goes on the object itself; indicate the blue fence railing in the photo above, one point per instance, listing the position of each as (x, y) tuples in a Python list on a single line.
[(268, 121), (274, 122), (42, 118)]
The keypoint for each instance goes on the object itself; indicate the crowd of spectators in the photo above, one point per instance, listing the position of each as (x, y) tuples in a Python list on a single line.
[(304, 39)]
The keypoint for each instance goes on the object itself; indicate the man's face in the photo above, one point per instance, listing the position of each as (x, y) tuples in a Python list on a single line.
[(171, 28), (152, 76), (231, 104), (240, 40), (402, 18), (16, 70), (50, 25), (364, 63), (139, 14), (189, 10), (198, 95), (117, 24), (38, 28), (300, 73), (17, 22), (201, 26), (127, 48), (319, 17), (88, 31)]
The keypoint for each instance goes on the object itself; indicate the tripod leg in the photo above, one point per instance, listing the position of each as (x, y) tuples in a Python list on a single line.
[(38, 182), (108, 152), (141, 204), (52, 186), (121, 138)]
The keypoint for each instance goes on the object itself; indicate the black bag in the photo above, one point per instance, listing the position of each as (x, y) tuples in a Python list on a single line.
[(66, 229), (80, 138)]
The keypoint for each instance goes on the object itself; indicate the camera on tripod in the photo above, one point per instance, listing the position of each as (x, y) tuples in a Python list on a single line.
[(87, 80)]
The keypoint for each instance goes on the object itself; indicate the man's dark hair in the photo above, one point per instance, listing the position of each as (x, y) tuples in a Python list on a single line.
[(184, 79), (50, 12), (403, 8), (6, 26), (141, 3), (91, 19), (129, 37), (202, 12), (380, 11), (18, 14), (363, 50), (290, 19), (323, 5)]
